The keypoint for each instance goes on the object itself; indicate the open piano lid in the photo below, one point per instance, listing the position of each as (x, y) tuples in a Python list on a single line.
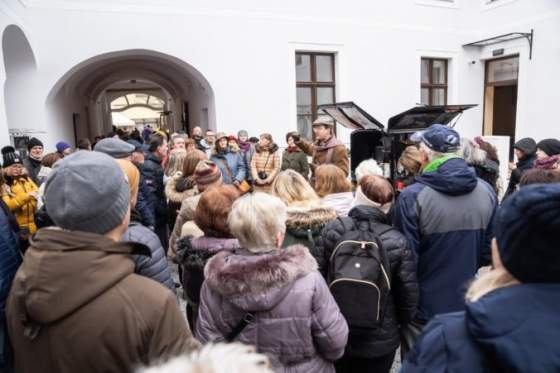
[(351, 116), (421, 117)]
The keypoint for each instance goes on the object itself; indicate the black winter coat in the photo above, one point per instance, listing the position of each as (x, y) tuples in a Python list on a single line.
[(154, 267), (403, 299), (152, 173), (523, 165), (33, 167)]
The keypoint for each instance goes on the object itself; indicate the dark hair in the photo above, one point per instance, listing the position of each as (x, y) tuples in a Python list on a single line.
[(155, 141), (50, 159), (377, 189), (254, 140), (539, 176), (290, 134), (84, 144), (213, 209)]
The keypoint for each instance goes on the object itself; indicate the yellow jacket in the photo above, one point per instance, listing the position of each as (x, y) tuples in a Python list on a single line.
[(20, 203)]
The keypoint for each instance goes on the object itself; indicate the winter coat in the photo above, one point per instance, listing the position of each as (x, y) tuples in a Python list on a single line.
[(153, 266), (297, 322), (304, 226), (340, 202), (177, 189), (514, 329), (236, 166), (33, 166), (521, 166), (9, 254), (267, 161), (447, 218), (77, 297), (193, 254), (320, 153), (489, 172), (20, 203), (247, 157), (296, 160), (402, 301), (186, 214), (152, 173), (144, 202)]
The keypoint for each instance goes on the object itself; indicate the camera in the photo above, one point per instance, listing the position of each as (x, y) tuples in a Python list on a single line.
[(262, 175)]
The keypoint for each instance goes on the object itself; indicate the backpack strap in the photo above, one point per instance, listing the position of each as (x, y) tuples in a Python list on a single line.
[(247, 319)]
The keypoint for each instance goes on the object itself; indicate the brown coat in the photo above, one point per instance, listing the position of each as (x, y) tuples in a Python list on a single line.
[(77, 306), (259, 163), (186, 214), (320, 154)]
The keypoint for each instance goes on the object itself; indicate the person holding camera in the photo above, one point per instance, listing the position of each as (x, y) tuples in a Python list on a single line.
[(326, 149), (265, 163)]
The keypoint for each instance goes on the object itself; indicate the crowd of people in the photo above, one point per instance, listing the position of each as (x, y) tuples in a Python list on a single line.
[(285, 263)]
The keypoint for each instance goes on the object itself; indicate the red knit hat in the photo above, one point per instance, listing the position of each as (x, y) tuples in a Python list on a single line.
[(207, 174)]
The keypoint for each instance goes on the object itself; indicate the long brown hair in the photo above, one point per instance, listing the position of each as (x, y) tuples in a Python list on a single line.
[(191, 161), (330, 179)]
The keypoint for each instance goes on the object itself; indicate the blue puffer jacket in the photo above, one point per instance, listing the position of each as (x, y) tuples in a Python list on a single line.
[(514, 330), (447, 217), (154, 267), (10, 257), (144, 203), (235, 163)]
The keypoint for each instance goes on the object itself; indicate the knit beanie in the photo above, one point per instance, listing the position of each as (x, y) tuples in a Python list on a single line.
[(133, 176), (61, 146), (549, 146), (87, 191), (10, 157), (526, 229), (527, 145), (114, 147), (33, 142), (207, 174)]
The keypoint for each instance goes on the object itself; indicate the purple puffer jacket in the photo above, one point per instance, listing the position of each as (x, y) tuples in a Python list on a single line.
[(297, 321)]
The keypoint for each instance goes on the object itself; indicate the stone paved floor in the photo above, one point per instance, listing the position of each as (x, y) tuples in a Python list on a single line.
[(396, 365)]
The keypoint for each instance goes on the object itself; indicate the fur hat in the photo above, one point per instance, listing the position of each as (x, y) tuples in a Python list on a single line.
[(10, 156)]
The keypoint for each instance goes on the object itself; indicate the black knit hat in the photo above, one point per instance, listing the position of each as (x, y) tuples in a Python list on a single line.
[(526, 228), (549, 146), (33, 142), (527, 145), (10, 156)]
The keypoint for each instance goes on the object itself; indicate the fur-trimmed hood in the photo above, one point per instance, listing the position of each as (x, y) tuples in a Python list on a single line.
[(309, 217), (272, 148), (179, 188), (256, 282)]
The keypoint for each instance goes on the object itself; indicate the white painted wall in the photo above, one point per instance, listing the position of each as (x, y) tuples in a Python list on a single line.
[(245, 50)]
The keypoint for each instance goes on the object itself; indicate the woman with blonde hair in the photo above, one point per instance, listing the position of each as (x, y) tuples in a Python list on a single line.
[(306, 217), (411, 160), (511, 322), (265, 163), (334, 188), (175, 162), (292, 317)]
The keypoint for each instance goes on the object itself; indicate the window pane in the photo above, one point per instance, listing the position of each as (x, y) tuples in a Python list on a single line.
[(304, 126), (438, 72), (325, 95), (425, 96), (324, 68), (503, 70), (438, 96), (303, 68), (424, 66), (303, 100)]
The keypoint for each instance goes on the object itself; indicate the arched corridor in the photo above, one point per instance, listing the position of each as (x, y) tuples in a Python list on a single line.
[(80, 102)]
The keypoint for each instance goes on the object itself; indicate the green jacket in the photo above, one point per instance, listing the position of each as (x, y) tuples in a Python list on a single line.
[(296, 161)]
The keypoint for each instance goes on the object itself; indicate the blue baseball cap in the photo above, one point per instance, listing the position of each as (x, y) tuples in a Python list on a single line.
[(439, 138)]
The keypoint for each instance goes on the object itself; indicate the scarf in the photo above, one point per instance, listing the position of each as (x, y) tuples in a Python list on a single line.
[(244, 146), (361, 199), (292, 149), (330, 143), (549, 163)]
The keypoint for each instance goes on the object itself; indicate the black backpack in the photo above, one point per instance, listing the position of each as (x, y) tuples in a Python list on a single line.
[(359, 273)]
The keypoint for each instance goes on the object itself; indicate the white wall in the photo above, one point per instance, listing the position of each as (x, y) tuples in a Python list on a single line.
[(245, 50)]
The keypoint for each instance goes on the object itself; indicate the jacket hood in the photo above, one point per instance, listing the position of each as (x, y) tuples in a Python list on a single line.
[(309, 217), (363, 212), (194, 252), (517, 322), (256, 282), (454, 177), (178, 188), (62, 271)]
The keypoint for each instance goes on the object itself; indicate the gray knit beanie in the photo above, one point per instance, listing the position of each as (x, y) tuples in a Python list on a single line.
[(87, 191)]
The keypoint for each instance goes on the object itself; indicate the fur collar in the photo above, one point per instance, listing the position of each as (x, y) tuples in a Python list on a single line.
[(241, 273), (272, 148), (172, 192), (314, 216)]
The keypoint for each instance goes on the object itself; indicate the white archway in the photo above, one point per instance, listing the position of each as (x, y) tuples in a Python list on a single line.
[(77, 103)]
